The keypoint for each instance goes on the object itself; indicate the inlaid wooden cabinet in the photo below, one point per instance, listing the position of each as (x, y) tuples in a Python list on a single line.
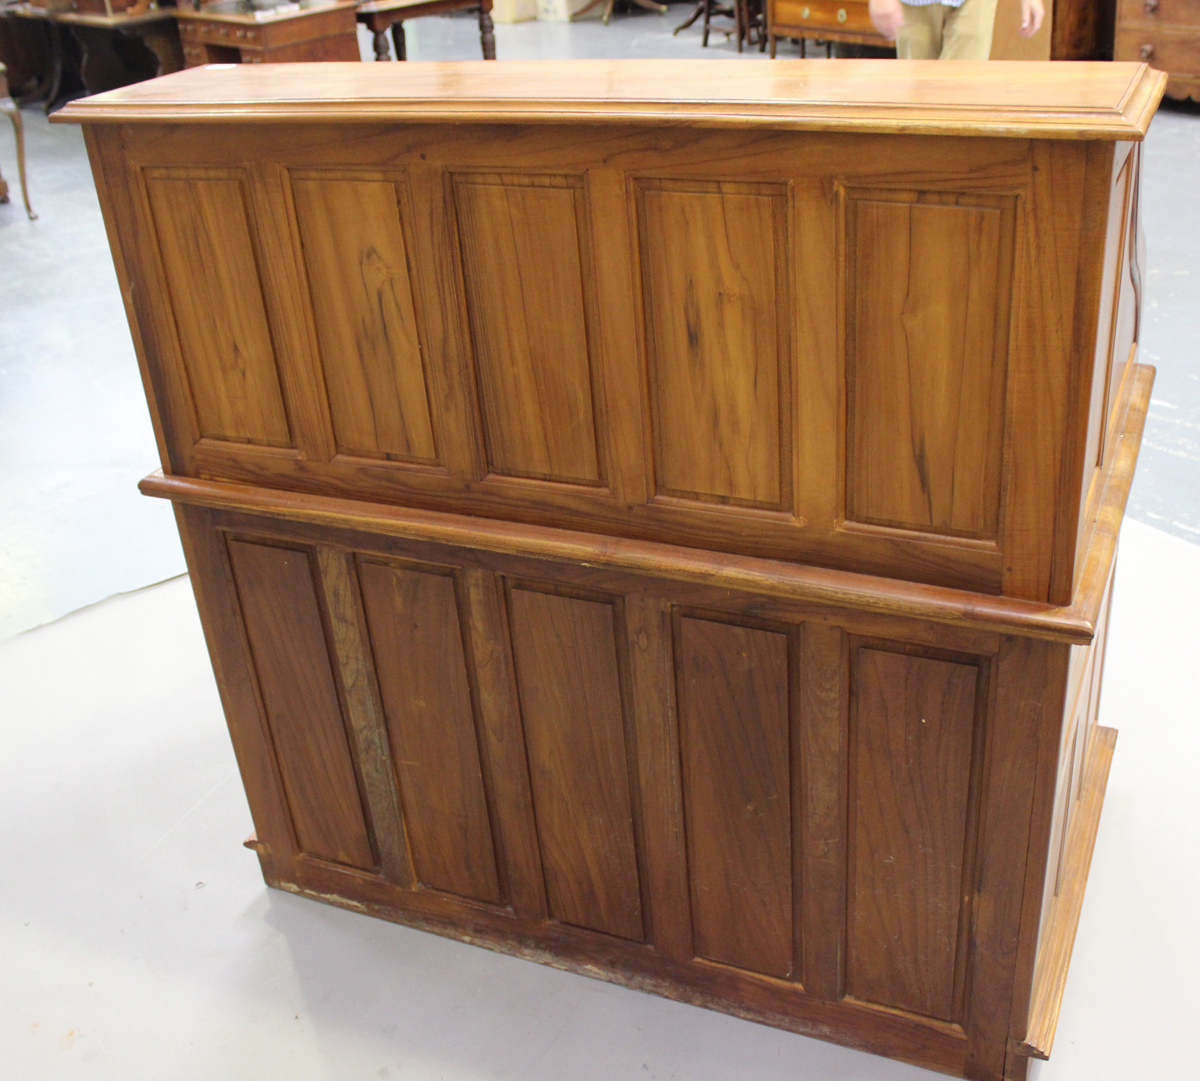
[(666, 537)]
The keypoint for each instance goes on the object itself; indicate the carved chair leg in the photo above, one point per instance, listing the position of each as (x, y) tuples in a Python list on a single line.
[(382, 50), (399, 40), (487, 33), (14, 114), (697, 11)]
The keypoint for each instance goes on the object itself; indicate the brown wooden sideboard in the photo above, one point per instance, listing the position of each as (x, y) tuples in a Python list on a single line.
[(666, 538), (1166, 34)]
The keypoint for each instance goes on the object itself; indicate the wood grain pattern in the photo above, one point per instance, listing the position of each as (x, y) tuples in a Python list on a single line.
[(571, 702), (523, 263), (735, 737), (356, 258), (283, 623), (417, 641), (912, 731), (209, 259), (715, 293), (928, 279), (1089, 100)]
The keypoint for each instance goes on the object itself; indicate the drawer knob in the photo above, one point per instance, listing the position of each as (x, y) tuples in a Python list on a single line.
[(1151, 6), (1147, 51), (841, 15)]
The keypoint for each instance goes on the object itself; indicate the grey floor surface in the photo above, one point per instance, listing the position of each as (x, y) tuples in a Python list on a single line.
[(74, 432)]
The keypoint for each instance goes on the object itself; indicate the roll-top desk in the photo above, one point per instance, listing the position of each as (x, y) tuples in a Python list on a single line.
[(665, 537)]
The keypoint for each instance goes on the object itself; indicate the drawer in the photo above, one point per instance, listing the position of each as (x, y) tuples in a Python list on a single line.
[(1170, 50), (1175, 13), (824, 15)]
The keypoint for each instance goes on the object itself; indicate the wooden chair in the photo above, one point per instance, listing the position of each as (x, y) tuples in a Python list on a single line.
[(7, 105), (749, 21)]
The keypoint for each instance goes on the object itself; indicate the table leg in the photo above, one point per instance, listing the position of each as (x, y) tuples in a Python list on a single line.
[(697, 11), (399, 41), (382, 51), (14, 114), (650, 5), (487, 33)]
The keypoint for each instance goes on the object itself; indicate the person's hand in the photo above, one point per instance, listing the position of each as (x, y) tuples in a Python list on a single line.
[(887, 16), (1032, 14)]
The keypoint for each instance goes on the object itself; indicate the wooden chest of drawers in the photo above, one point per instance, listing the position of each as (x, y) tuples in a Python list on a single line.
[(831, 20), (1165, 34), (322, 33), (664, 537)]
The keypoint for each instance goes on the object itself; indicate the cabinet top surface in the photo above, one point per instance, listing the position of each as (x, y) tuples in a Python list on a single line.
[(1018, 99)]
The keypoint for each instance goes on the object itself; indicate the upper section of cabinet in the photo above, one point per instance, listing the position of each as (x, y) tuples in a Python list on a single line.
[(859, 345)]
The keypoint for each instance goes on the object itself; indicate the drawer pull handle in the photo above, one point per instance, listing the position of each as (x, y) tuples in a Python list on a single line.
[(1151, 6), (804, 13), (1147, 51), (841, 15)]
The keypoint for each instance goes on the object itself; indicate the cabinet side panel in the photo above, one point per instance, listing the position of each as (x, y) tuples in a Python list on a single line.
[(523, 265), (417, 641), (216, 295), (356, 259), (291, 657), (568, 677), (912, 726), (735, 744), (716, 307), (927, 322)]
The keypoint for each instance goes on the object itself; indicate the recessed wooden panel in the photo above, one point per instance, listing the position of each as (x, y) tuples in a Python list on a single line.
[(735, 743), (416, 638), (912, 734), (357, 263), (524, 265), (928, 287), (283, 623), (208, 255), (716, 315), (569, 681)]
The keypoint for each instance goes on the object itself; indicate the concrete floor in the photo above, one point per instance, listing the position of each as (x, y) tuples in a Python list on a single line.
[(75, 436), (139, 942)]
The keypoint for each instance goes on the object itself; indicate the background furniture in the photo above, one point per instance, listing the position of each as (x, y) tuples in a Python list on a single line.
[(379, 15), (124, 48), (323, 32), (9, 108), (749, 21), (649, 5), (828, 20), (743, 644), (1165, 33)]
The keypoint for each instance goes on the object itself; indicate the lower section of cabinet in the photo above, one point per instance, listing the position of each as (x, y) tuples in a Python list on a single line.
[(824, 816)]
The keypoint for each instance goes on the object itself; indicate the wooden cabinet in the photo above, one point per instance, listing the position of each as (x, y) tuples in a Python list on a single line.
[(823, 20), (320, 32), (666, 536), (1166, 34)]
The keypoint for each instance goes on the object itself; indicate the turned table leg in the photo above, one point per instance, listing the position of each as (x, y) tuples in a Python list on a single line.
[(399, 40), (382, 52), (487, 32)]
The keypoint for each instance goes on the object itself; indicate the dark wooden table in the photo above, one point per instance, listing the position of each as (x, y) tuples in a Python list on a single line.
[(381, 15)]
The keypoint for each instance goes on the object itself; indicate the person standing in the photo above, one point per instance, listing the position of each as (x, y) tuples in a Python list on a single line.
[(946, 29)]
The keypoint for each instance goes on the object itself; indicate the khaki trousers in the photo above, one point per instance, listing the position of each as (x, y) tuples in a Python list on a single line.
[(937, 32)]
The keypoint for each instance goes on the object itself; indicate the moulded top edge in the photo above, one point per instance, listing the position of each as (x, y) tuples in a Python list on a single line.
[(1014, 99)]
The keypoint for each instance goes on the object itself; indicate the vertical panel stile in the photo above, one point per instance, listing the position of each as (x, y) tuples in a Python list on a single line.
[(368, 729), (824, 735), (652, 677), (503, 742)]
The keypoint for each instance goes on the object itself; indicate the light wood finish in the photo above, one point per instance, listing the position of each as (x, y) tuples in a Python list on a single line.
[(1103, 101), (679, 547), (9, 108), (845, 21)]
